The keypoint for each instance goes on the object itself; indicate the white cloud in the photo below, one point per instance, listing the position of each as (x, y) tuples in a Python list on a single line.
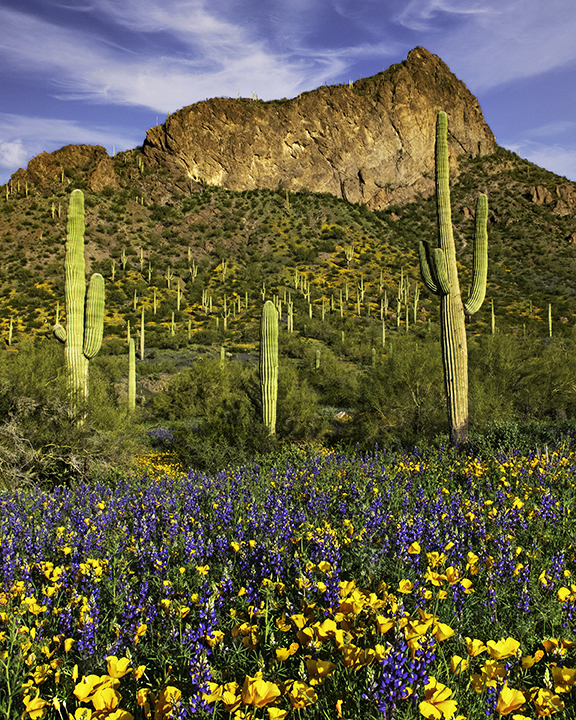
[(424, 15), (559, 159), (219, 59), (209, 57), (12, 153)]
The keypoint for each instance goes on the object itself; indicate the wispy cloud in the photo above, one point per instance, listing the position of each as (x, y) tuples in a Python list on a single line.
[(559, 159), (210, 53), (552, 129), (493, 42)]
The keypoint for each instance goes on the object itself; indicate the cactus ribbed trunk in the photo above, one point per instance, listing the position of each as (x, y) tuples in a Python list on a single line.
[(75, 293), (440, 275), (131, 375), (452, 318), (82, 336), (269, 364)]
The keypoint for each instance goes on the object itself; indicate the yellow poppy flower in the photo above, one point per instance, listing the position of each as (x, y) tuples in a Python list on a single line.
[(300, 695), (106, 698), (405, 586), (502, 649), (545, 702), (277, 713), (166, 700), (509, 700), (117, 668), (326, 629), (259, 692), (564, 678), (458, 664), (119, 714), (529, 660), (474, 647), (437, 703), (36, 708), (83, 714), (319, 670)]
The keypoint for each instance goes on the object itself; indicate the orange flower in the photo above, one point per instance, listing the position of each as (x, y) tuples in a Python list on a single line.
[(509, 700), (437, 703), (259, 692)]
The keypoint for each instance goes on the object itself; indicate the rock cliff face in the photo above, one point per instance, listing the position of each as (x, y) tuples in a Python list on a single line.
[(372, 142)]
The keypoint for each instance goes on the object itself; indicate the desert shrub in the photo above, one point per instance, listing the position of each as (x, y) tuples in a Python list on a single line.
[(41, 440), (403, 397)]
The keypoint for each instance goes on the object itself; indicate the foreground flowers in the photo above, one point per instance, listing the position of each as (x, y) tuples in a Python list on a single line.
[(374, 587)]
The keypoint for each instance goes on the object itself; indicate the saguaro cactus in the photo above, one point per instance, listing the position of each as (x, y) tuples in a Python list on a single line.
[(131, 375), (440, 275), (84, 310), (269, 364)]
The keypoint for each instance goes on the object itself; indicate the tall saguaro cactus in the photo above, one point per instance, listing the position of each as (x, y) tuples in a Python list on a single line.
[(84, 309), (269, 364), (440, 275)]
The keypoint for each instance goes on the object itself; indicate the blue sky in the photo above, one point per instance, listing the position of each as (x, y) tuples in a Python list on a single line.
[(104, 71)]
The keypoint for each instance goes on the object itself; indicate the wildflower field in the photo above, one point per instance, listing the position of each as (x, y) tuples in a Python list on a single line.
[(379, 585)]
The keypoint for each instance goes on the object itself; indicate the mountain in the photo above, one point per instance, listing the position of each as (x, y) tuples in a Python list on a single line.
[(361, 180), (369, 142)]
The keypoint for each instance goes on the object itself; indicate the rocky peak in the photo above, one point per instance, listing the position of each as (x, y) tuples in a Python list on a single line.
[(90, 162), (370, 142)]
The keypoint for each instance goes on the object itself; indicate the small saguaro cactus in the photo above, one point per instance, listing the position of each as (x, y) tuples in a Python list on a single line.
[(440, 275), (131, 375), (269, 364), (84, 309)]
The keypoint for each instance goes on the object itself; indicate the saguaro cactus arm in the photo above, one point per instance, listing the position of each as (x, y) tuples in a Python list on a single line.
[(94, 316), (433, 269), (59, 333), (480, 271)]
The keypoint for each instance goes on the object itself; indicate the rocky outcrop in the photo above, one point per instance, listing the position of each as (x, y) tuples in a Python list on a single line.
[(562, 201), (90, 162), (370, 142)]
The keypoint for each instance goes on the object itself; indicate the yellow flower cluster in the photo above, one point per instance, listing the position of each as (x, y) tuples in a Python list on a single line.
[(353, 638)]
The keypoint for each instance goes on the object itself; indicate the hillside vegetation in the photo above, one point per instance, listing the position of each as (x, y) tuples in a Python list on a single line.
[(201, 263)]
